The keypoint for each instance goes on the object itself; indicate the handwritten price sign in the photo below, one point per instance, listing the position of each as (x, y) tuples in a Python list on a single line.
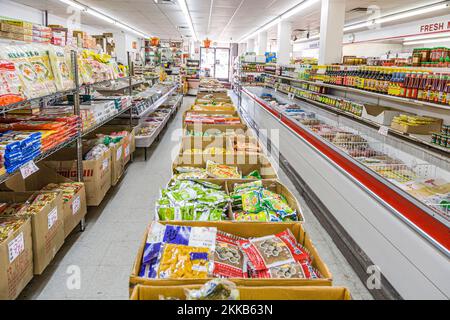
[(28, 169), (16, 247), (52, 218)]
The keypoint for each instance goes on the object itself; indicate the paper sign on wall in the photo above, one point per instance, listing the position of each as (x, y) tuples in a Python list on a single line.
[(16, 247)]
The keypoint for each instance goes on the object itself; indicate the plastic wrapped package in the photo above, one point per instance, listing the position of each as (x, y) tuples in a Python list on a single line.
[(229, 261), (11, 88), (217, 289), (9, 226), (60, 61), (223, 171)]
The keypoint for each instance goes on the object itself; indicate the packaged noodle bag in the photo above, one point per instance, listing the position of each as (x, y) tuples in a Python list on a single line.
[(273, 251), (186, 240), (40, 61), (60, 61), (11, 89), (18, 55), (229, 261)]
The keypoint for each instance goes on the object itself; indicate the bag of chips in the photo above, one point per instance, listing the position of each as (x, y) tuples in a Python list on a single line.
[(296, 270)]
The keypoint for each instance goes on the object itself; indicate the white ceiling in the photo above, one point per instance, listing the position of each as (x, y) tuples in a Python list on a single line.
[(220, 20)]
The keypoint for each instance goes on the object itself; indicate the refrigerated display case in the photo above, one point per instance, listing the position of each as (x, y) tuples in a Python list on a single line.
[(389, 196)]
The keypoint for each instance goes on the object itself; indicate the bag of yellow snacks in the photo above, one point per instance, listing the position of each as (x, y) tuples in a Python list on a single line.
[(184, 262)]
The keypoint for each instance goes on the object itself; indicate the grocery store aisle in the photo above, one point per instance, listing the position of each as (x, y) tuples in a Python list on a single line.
[(96, 264), (104, 253)]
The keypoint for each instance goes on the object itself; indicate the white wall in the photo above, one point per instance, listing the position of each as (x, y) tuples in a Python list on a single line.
[(371, 49)]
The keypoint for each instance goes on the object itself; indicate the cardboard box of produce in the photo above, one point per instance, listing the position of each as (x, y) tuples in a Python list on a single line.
[(47, 227), (141, 292), (244, 230), (209, 112), (129, 143), (245, 162), (16, 261), (274, 186), (213, 130), (96, 173), (73, 210), (434, 126), (380, 115)]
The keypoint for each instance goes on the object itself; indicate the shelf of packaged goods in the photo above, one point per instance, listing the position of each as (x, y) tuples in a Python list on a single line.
[(42, 156), (368, 93), (416, 214), (415, 139), (124, 87), (102, 123), (156, 105)]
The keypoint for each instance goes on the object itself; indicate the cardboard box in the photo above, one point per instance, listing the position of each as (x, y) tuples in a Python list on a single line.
[(213, 128), (74, 210), (380, 115), (274, 186), (96, 173), (18, 23), (141, 292), (245, 230), (16, 261), (213, 95), (47, 227), (188, 143), (212, 112), (421, 129), (245, 162)]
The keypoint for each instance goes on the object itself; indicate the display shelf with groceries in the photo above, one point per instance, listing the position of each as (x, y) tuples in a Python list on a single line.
[(422, 126), (247, 225), (420, 178)]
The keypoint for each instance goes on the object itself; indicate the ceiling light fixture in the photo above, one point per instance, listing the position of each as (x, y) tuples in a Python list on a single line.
[(185, 10), (410, 43), (74, 4), (294, 10), (104, 17), (100, 16), (428, 36)]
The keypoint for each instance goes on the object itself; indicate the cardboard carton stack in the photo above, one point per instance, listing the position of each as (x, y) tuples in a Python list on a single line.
[(211, 156)]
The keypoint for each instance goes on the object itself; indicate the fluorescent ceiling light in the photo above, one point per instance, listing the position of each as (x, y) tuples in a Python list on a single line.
[(300, 7), (358, 26), (185, 10), (74, 4), (104, 17), (410, 43), (411, 13), (99, 15)]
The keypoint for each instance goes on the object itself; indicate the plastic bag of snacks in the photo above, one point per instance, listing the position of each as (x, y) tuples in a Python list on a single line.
[(187, 173), (69, 189), (222, 171), (217, 289), (192, 200), (297, 270), (273, 251), (157, 260), (229, 261), (62, 67), (10, 85), (9, 226)]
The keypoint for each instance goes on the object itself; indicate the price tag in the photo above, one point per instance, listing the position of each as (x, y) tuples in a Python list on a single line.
[(383, 130), (28, 169), (127, 151), (52, 218), (119, 153), (16, 247), (76, 204), (105, 164)]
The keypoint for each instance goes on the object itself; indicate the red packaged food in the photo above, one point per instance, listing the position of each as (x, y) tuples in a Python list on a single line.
[(295, 270), (272, 251), (229, 262)]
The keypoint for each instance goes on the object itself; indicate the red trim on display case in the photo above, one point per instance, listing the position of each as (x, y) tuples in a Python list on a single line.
[(432, 227)]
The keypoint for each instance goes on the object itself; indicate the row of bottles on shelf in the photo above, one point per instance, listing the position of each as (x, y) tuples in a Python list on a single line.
[(407, 83)]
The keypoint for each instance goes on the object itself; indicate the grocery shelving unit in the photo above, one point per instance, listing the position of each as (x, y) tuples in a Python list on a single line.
[(375, 221), (380, 99), (77, 139)]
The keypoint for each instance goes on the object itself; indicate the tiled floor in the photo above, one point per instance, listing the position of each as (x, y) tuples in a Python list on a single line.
[(96, 263)]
